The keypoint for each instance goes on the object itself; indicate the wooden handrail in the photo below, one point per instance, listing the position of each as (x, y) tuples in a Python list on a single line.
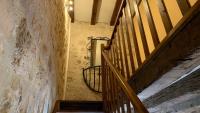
[(123, 3), (125, 86)]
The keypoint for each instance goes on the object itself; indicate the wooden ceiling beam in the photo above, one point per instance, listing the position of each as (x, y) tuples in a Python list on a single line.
[(95, 11), (71, 10), (115, 12)]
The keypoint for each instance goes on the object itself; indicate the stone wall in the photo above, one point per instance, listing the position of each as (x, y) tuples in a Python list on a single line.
[(32, 55), (80, 31)]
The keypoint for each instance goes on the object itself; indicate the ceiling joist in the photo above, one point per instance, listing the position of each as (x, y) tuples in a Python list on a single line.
[(95, 11), (71, 10)]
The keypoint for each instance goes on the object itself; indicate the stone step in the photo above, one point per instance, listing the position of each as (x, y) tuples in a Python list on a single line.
[(81, 106)]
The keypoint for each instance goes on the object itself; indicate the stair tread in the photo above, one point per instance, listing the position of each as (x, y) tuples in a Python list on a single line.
[(80, 112), (81, 106)]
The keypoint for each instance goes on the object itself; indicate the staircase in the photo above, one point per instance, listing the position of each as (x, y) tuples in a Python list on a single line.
[(133, 59)]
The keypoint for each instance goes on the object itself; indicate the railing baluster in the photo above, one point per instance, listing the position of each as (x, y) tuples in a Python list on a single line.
[(89, 76), (114, 92), (124, 22), (128, 106), (84, 76), (151, 24), (103, 80), (165, 16), (120, 52), (94, 76), (111, 90), (99, 78), (144, 41), (125, 86), (117, 95), (112, 79), (108, 89), (113, 54), (116, 53), (184, 6), (124, 49), (122, 102), (115, 48), (129, 14)]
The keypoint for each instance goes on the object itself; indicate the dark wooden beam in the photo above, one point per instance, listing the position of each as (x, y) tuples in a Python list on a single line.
[(71, 12), (179, 43), (95, 11), (115, 12)]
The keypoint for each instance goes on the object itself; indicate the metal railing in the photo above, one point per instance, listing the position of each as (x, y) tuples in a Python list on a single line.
[(93, 79)]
